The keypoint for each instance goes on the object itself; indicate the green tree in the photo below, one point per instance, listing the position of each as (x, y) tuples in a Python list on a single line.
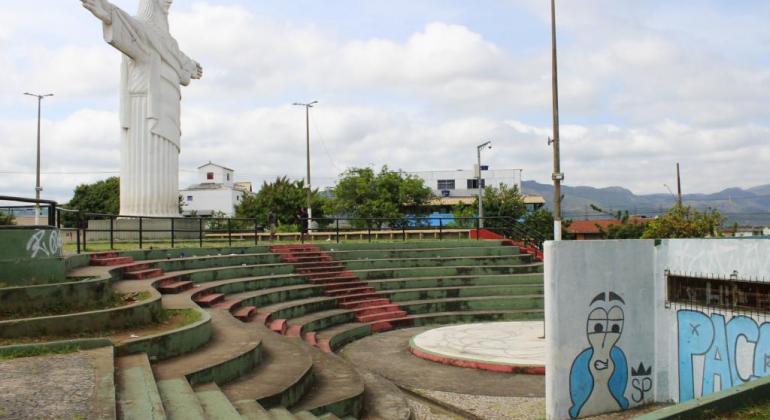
[(362, 193), (282, 196), (7, 219), (541, 222), (502, 202), (684, 222), (100, 197), (627, 229)]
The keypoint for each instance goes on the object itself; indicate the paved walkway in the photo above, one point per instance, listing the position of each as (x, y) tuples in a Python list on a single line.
[(56, 387), (491, 345)]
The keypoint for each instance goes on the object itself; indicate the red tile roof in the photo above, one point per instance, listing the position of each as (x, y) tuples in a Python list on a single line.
[(590, 226)]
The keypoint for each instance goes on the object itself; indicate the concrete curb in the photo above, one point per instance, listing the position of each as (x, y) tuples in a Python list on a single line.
[(756, 391), (171, 343)]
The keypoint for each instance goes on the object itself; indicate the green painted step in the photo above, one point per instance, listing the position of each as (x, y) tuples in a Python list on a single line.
[(339, 335), (518, 259), (137, 394), (462, 291), (322, 319), (299, 307), (235, 272), (275, 295), (179, 400), (392, 273), (196, 263), (305, 415), (427, 252), (472, 304), (338, 389), (281, 413), (447, 281), (410, 245), (282, 377), (328, 416), (475, 316), (251, 410), (215, 404)]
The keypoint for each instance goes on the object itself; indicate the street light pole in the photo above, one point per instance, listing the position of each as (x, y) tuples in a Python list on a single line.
[(478, 180), (557, 175), (307, 129), (38, 189)]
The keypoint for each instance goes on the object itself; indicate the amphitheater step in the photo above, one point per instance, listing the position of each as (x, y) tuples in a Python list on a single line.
[(137, 393), (232, 350), (332, 338), (138, 267), (338, 388), (175, 286), (317, 320), (281, 414), (328, 416), (209, 299), (149, 273), (179, 400), (344, 285), (251, 410), (365, 303), (349, 292), (392, 307), (245, 313), (215, 404), (110, 261), (296, 308), (305, 415), (282, 377), (381, 316)]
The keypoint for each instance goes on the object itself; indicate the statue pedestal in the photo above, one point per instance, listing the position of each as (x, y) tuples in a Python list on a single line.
[(124, 230)]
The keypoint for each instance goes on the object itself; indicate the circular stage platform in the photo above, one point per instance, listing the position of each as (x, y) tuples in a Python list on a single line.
[(512, 347)]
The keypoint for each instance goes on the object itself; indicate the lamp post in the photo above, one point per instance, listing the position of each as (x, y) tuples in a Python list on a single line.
[(557, 175), (309, 187), (478, 180), (38, 189)]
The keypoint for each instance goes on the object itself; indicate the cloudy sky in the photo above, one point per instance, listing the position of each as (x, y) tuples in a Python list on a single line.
[(414, 85)]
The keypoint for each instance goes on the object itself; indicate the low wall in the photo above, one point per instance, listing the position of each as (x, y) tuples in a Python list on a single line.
[(152, 229), (30, 255), (618, 335)]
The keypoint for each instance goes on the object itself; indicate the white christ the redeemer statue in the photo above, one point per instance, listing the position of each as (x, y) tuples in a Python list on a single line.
[(151, 74)]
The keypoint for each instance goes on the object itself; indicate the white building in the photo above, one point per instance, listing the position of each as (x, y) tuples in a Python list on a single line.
[(216, 192), (461, 185)]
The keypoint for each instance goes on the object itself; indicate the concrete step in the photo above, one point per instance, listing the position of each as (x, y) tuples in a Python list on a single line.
[(232, 350), (377, 309), (350, 291), (251, 410), (137, 393), (328, 416), (245, 313), (209, 299), (108, 262), (138, 267), (415, 320), (281, 413), (456, 280), (298, 327), (103, 255), (215, 404), (344, 285), (333, 338), (274, 295), (295, 308), (381, 316), (175, 286), (305, 415), (342, 277), (357, 297), (338, 388), (365, 303), (179, 400), (283, 375), (149, 273)]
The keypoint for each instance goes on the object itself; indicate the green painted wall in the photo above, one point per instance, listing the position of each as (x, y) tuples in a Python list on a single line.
[(30, 256)]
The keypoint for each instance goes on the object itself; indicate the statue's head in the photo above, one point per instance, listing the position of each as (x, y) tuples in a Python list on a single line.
[(155, 12)]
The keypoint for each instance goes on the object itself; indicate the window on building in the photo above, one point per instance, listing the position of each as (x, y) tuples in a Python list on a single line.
[(189, 198), (732, 293), (210, 175), (228, 176), (446, 184), (473, 184)]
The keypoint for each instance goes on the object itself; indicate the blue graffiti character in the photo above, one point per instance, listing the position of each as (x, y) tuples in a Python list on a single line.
[(599, 374)]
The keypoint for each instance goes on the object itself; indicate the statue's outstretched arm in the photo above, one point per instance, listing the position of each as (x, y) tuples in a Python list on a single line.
[(102, 9)]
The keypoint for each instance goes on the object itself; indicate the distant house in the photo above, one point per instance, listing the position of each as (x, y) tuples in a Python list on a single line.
[(592, 229), (216, 192)]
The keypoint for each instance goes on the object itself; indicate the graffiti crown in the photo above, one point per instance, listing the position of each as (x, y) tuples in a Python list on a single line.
[(641, 371)]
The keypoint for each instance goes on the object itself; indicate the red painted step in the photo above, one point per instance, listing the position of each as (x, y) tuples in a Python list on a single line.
[(138, 267), (175, 286), (364, 303), (245, 313), (105, 262), (359, 297), (209, 299), (391, 307), (150, 273), (381, 316), (356, 291), (344, 286)]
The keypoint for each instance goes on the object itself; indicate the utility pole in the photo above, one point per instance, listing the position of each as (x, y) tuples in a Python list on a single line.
[(309, 186), (678, 187), (38, 189), (478, 180), (557, 175)]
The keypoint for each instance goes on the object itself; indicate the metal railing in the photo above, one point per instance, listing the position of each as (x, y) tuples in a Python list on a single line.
[(50, 205)]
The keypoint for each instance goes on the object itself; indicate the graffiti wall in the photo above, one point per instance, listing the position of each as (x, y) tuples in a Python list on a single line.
[(598, 319), (30, 255), (615, 339)]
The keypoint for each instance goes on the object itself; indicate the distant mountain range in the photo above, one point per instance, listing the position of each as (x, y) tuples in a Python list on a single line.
[(747, 207)]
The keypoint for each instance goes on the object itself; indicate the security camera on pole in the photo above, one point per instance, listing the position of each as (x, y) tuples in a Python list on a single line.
[(478, 180), (38, 188)]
